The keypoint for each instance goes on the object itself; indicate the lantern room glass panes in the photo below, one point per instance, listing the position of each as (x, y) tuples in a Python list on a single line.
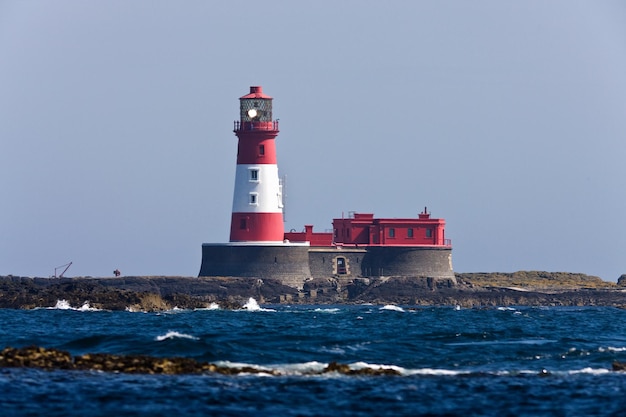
[(262, 106)]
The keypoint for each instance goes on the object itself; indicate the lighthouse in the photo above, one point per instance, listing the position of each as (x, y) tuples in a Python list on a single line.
[(359, 246), (257, 214)]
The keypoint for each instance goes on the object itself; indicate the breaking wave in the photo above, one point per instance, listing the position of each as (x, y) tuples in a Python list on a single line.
[(253, 305), (175, 335), (65, 305), (392, 307)]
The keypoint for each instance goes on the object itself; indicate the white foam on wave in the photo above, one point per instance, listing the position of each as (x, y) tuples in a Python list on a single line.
[(375, 366), (174, 335), (65, 305), (175, 310), (62, 305), (228, 364), (327, 310), (592, 371), (302, 368), (212, 306), (252, 305), (316, 369), (392, 307), (87, 307), (612, 349), (434, 372)]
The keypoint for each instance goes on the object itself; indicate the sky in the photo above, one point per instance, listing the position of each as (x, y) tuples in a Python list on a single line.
[(505, 118)]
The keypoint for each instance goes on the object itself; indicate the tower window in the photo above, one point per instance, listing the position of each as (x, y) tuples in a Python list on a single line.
[(243, 224), (429, 232), (392, 232), (254, 198), (254, 175), (261, 150), (409, 232)]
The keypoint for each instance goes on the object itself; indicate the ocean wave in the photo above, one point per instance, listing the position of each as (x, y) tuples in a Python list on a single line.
[(253, 305), (65, 305), (175, 310), (391, 307), (174, 335), (212, 306), (612, 349), (327, 310), (376, 367), (592, 371), (324, 370)]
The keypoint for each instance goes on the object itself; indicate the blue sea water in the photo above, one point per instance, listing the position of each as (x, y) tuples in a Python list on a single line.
[(519, 362)]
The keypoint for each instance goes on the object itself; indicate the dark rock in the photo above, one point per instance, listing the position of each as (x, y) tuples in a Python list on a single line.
[(346, 370), (35, 357), (619, 366), (50, 359)]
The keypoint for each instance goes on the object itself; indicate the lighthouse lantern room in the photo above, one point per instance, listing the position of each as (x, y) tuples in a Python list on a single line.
[(257, 214)]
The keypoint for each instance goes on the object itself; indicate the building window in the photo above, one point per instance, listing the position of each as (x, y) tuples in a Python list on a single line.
[(254, 198), (409, 232), (243, 224), (261, 150), (254, 175), (392, 232), (429, 232)]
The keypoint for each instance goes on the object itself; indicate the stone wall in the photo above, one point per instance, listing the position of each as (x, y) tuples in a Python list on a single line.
[(323, 262), (288, 264), (432, 262), (293, 265)]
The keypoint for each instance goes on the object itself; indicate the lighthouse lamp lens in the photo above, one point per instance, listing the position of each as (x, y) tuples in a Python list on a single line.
[(252, 113)]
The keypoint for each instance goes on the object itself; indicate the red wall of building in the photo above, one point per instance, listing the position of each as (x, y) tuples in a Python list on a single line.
[(315, 238), (364, 229)]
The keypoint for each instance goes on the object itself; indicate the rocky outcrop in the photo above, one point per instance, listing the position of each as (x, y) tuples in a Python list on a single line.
[(137, 293), (533, 288), (50, 359)]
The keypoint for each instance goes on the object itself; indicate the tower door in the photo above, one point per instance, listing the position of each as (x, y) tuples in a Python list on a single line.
[(341, 266)]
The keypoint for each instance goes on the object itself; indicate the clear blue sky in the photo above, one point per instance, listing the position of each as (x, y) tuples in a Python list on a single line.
[(506, 118)]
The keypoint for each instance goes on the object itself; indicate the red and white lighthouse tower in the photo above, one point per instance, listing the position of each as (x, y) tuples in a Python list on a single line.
[(257, 202)]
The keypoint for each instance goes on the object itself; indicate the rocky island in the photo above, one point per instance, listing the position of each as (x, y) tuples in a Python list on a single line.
[(158, 293)]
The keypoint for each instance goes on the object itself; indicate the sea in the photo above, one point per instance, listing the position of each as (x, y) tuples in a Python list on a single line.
[(522, 361)]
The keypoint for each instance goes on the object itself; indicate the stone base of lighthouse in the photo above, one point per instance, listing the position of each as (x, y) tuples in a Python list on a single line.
[(288, 263), (294, 264)]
